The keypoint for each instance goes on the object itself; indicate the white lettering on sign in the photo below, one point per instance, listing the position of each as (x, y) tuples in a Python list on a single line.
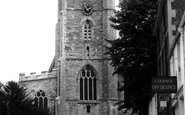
[(164, 84), (163, 81), (155, 87), (167, 87), (164, 87)]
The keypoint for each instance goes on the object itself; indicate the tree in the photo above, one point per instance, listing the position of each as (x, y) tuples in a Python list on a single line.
[(134, 53), (15, 101)]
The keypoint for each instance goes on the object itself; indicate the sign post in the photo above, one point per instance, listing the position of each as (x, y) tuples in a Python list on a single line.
[(164, 84)]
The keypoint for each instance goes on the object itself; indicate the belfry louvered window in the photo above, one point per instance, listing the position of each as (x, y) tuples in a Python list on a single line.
[(87, 30), (41, 99), (88, 83)]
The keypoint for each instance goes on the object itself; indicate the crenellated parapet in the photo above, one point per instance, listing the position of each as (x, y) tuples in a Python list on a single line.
[(34, 76)]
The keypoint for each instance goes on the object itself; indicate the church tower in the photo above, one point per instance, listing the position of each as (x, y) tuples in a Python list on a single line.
[(79, 80), (85, 84)]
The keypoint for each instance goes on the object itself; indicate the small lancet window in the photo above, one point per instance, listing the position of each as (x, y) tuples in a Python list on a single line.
[(87, 51), (88, 109)]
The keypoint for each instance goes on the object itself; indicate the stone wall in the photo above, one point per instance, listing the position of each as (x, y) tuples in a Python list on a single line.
[(71, 56), (74, 47), (175, 10), (45, 81)]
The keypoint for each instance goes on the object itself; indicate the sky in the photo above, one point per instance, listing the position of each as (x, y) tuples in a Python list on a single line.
[(27, 37)]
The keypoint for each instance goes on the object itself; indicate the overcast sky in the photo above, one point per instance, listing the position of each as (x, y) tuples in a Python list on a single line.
[(27, 36)]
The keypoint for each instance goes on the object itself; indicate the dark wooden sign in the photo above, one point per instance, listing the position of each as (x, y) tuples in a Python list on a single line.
[(164, 84)]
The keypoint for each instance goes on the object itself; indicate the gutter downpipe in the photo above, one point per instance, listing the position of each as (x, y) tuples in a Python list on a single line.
[(181, 30)]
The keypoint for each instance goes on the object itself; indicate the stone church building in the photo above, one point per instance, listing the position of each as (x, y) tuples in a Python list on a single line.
[(79, 80)]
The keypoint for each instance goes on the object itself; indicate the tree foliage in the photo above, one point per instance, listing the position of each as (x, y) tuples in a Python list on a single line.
[(15, 101), (133, 54)]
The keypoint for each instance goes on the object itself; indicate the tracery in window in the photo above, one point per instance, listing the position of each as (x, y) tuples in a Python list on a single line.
[(41, 99), (88, 82), (87, 30)]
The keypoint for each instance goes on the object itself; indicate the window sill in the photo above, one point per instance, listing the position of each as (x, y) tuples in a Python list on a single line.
[(88, 102)]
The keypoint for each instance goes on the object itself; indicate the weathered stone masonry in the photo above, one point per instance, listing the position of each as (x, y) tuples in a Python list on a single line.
[(80, 41)]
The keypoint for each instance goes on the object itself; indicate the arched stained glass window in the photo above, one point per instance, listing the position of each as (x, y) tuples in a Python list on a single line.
[(87, 30), (41, 99), (88, 83)]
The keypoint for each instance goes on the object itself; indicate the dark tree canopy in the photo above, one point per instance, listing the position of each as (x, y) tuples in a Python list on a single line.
[(133, 54), (15, 101)]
